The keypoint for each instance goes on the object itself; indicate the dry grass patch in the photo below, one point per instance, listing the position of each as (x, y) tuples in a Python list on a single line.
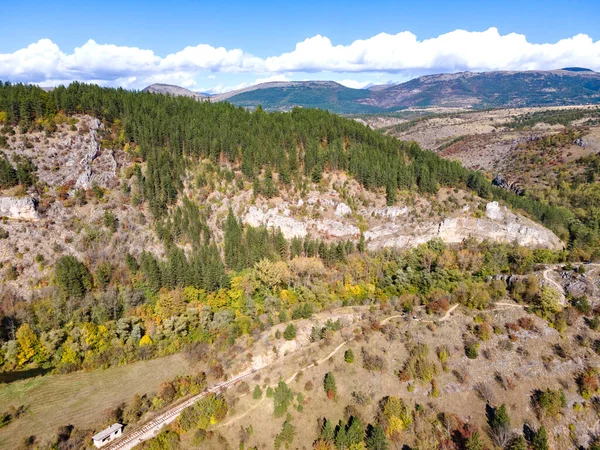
[(81, 398)]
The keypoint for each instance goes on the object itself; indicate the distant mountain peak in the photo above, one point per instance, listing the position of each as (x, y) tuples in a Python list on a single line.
[(499, 89), (171, 89)]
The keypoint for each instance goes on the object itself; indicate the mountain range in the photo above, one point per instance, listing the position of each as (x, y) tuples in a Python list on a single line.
[(569, 86)]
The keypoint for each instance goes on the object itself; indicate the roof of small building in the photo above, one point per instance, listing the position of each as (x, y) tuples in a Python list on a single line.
[(107, 432)]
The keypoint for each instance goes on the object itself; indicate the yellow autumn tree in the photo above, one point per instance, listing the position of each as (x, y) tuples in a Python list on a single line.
[(145, 340), (193, 295), (96, 337), (218, 300), (322, 444), (236, 293), (288, 297), (170, 303), (69, 354), (272, 274), (397, 417), (28, 344)]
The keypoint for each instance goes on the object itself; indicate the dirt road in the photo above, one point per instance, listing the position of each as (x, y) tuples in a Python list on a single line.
[(559, 288), (151, 428), (441, 319)]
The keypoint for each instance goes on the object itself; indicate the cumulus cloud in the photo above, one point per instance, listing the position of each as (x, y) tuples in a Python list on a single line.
[(222, 88), (457, 50), (278, 77), (398, 54), (355, 84)]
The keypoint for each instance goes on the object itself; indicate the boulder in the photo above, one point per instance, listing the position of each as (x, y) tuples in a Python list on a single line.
[(23, 208)]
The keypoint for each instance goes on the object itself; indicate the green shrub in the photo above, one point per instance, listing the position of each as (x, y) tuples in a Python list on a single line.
[(349, 356), (257, 393), (549, 403), (289, 332), (472, 350)]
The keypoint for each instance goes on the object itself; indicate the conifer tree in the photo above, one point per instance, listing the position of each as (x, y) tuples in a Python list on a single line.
[(329, 385), (376, 439), (540, 439)]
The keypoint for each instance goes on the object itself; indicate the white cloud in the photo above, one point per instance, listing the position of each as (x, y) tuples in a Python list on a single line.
[(457, 50), (399, 55), (277, 77), (221, 88), (355, 84)]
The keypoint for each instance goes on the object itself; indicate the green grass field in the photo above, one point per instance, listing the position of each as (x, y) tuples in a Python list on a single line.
[(81, 398)]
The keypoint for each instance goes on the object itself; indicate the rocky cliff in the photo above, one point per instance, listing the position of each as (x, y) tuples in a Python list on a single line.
[(327, 217), (499, 225)]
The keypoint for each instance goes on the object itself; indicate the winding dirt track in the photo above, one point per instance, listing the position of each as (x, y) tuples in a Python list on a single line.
[(441, 319), (289, 380), (558, 287), (149, 429)]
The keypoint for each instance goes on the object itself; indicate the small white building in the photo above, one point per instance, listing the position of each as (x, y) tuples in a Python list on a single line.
[(107, 435)]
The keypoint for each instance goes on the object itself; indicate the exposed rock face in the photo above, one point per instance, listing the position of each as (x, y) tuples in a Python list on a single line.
[(291, 227), (18, 208), (392, 226), (500, 225), (389, 212), (333, 228), (501, 182), (342, 210), (94, 167), (273, 219), (169, 89)]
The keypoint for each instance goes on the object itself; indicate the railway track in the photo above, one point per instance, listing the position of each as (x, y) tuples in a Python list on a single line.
[(149, 429)]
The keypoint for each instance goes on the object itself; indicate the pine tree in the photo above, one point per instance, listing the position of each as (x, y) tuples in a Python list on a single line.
[(296, 247), (474, 442), (341, 437), (390, 192), (233, 242), (131, 263), (355, 432), (269, 190), (329, 385), (8, 175), (376, 438), (361, 244), (328, 431), (286, 435), (540, 439), (151, 269), (499, 422), (284, 175), (72, 276), (518, 443), (281, 246), (256, 187), (282, 397)]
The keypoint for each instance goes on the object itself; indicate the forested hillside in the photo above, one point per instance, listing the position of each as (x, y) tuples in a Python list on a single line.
[(169, 133), (215, 281)]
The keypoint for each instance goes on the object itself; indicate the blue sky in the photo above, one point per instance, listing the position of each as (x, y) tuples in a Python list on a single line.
[(238, 43)]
